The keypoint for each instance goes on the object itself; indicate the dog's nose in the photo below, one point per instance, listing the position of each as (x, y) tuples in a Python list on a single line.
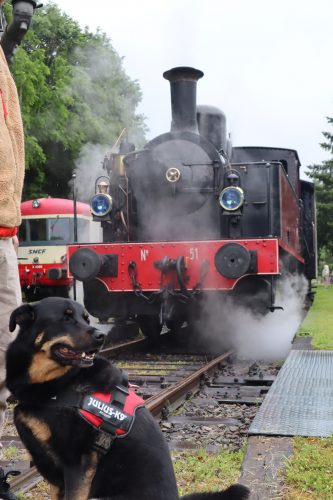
[(98, 334)]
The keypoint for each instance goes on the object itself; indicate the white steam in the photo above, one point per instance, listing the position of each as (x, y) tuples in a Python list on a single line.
[(254, 336), (88, 169)]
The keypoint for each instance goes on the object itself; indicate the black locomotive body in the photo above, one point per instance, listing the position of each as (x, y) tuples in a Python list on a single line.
[(188, 217)]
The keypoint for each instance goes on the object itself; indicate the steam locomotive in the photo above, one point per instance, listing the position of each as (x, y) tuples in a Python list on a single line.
[(189, 217)]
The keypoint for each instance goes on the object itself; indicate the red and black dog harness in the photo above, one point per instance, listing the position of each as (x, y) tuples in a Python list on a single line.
[(111, 414)]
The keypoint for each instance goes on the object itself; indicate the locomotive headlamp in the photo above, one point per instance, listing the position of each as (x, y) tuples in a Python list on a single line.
[(103, 187), (231, 198), (35, 204), (233, 178), (101, 204)]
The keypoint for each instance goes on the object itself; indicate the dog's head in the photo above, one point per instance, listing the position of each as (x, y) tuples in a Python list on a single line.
[(59, 328)]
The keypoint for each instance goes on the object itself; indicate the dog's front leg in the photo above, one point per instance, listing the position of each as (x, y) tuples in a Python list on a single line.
[(78, 477), (56, 493)]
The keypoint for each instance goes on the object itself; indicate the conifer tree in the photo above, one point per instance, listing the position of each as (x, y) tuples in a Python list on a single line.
[(322, 176)]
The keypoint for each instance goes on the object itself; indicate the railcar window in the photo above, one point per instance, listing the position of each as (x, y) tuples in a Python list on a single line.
[(22, 232), (38, 229), (53, 231), (59, 230)]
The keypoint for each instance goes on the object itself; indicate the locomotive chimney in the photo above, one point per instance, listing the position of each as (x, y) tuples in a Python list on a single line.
[(183, 83)]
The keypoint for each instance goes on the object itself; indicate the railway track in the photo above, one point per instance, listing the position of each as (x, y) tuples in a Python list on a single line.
[(171, 381)]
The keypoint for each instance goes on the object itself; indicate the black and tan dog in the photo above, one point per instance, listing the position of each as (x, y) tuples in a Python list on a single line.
[(59, 382)]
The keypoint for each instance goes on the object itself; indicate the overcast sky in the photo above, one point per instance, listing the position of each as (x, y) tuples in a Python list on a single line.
[(267, 64)]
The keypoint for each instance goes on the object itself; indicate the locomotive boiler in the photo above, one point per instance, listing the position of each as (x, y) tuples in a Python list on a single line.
[(188, 217)]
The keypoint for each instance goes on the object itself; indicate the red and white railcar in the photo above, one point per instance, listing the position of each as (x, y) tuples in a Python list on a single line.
[(48, 226)]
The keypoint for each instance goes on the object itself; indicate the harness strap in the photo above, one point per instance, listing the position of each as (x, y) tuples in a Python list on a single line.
[(68, 398), (104, 412), (73, 399)]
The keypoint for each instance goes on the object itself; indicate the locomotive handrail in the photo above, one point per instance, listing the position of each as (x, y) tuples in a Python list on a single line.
[(263, 162), (208, 164)]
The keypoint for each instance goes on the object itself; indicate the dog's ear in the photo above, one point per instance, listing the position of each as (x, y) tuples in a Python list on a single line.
[(23, 316)]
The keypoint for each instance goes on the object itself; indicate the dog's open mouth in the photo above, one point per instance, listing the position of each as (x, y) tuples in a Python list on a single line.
[(68, 356)]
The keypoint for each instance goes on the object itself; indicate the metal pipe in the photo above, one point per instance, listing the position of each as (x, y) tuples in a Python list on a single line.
[(75, 228)]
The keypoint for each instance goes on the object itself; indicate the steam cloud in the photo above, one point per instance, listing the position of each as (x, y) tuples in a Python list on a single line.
[(88, 169), (111, 99), (253, 336)]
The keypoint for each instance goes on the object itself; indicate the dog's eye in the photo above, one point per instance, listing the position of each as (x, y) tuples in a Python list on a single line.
[(68, 314), (86, 318)]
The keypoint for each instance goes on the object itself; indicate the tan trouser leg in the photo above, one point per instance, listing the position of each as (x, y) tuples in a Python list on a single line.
[(10, 298)]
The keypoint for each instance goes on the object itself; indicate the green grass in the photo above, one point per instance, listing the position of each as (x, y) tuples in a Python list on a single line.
[(319, 320), (310, 471), (10, 453), (201, 471)]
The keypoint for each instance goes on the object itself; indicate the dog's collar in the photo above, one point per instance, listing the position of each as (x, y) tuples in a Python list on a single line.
[(111, 414)]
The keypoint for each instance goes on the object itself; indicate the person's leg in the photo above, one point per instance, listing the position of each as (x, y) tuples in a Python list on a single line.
[(10, 298)]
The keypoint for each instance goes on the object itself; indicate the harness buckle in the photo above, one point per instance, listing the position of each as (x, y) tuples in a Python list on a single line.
[(103, 441)]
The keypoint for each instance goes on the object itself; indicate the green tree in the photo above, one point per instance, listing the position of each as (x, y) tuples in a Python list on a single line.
[(322, 175), (73, 91)]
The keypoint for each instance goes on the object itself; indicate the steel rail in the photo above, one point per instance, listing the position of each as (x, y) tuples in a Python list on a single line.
[(25, 481), (172, 394)]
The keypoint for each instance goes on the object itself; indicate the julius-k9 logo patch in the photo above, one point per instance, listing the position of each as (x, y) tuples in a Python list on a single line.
[(104, 410)]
